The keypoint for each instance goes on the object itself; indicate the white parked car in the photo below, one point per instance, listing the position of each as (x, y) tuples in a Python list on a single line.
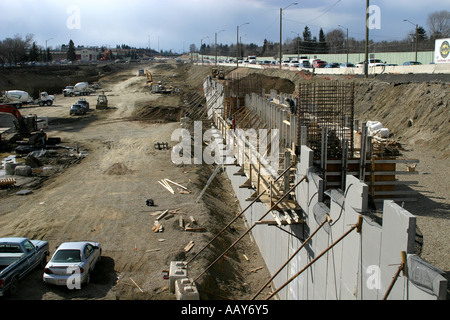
[(72, 264)]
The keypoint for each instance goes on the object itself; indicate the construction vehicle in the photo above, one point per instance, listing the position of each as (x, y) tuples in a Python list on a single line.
[(80, 89), (221, 74), (107, 55), (24, 125), (20, 98), (102, 102), (218, 73), (149, 81)]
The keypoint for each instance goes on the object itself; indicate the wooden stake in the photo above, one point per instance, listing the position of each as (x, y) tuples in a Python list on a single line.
[(168, 189), (136, 285), (256, 269), (179, 185)]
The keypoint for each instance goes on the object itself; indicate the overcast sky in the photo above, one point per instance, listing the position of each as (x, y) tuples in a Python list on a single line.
[(175, 24)]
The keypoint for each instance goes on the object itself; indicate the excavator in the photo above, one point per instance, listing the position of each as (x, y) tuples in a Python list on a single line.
[(24, 125), (107, 54), (149, 78)]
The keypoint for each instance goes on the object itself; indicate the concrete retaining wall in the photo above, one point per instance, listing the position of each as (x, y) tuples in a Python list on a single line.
[(361, 266)]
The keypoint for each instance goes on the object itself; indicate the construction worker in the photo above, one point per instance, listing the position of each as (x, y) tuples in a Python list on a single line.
[(43, 137), (291, 104)]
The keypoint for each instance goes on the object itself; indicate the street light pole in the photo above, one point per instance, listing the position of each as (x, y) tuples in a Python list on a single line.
[(46, 49), (201, 47), (237, 44), (281, 30), (417, 34), (215, 44), (366, 54)]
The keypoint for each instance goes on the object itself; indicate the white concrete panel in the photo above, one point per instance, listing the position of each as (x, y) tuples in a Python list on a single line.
[(369, 277), (399, 230), (355, 199)]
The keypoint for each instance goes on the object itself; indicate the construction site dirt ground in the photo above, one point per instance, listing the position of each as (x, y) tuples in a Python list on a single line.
[(100, 194)]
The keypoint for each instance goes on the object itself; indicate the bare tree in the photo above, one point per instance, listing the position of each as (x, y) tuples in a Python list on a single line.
[(14, 50), (336, 40), (438, 23)]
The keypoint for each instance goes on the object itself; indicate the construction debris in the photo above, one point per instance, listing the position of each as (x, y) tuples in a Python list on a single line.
[(7, 182), (189, 246)]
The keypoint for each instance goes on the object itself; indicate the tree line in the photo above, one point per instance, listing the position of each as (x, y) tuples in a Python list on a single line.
[(17, 49), (336, 42)]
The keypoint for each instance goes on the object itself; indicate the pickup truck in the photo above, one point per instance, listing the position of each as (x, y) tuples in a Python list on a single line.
[(19, 256)]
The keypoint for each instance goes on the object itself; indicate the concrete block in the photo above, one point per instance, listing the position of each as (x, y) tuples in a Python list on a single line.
[(186, 289), (177, 271), (24, 171)]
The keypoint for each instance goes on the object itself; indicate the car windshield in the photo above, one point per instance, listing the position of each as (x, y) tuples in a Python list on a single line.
[(67, 256)]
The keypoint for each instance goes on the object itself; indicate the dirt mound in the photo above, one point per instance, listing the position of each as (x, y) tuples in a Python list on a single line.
[(159, 113), (118, 169), (164, 109), (417, 112)]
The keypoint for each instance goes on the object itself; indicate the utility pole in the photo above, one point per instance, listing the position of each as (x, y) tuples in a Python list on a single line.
[(366, 55)]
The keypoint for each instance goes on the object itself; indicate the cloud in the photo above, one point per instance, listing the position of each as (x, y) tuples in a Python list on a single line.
[(179, 23)]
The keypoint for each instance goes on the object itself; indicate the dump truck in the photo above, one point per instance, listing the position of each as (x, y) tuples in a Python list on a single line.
[(79, 89)]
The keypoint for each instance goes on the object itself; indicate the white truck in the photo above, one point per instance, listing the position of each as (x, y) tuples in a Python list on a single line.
[(80, 89), (19, 98)]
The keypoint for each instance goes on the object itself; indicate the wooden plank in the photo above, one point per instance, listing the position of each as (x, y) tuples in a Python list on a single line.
[(189, 246), (136, 285)]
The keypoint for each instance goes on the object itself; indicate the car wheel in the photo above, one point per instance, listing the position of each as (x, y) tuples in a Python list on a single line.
[(43, 262), (88, 279), (49, 103), (14, 287)]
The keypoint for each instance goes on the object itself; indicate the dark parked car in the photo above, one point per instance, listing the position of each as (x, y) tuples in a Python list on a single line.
[(332, 65), (347, 65), (77, 109), (82, 102), (412, 63)]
